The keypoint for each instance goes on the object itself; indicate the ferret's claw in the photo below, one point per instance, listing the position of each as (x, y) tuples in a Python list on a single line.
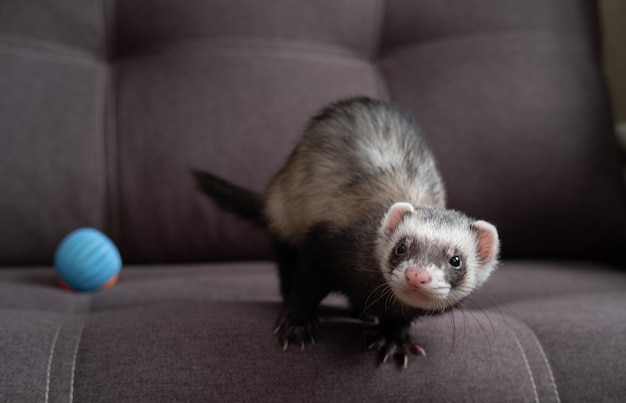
[(295, 330), (417, 350), (387, 344)]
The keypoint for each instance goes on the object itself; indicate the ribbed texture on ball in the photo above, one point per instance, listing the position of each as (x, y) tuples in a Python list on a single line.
[(86, 259)]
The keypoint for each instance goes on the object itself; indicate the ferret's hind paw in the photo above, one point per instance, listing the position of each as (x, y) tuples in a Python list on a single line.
[(295, 331), (398, 349)]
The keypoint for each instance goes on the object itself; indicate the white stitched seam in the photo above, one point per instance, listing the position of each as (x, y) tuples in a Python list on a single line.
[(50, 358), (530, 373), (550, 373), (78, 338)]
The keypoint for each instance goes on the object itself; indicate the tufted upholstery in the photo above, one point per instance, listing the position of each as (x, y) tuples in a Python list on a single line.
[(105, 105)]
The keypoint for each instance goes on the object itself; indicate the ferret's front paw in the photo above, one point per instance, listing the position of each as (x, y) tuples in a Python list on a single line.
[(293, 328), (395, 343)]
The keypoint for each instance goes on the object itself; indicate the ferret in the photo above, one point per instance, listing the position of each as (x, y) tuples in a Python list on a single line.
[(359, 208)]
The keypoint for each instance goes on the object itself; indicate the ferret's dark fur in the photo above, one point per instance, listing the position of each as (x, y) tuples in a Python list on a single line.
[(359, 208)]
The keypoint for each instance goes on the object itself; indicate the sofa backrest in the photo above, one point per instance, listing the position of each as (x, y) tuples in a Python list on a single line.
[(105, 105)]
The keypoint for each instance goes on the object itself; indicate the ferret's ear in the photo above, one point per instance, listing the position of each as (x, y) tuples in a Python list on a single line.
[(394, 216), (488, 241)]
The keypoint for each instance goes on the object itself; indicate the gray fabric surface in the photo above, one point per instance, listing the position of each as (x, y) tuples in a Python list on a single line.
[(188, 122), (115, 104), (51, 151), (227, 352), (105, 105), (583, 337), (70, 26), (513, 282), (198, 332), (299, 23), (545, 171), (411, 21)]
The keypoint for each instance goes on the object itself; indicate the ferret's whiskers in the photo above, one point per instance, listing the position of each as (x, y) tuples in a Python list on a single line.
[(490, 344), (390, 296), (382, 295)]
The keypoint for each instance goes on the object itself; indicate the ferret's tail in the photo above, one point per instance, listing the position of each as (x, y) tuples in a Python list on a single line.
[(243, 202)]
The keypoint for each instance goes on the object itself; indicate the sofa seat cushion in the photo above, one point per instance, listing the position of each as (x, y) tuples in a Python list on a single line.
[(164, 335)]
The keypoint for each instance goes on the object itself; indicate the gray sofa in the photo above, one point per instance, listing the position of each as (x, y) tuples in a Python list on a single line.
[(105, 105)]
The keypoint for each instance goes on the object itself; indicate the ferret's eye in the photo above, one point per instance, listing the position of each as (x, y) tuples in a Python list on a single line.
[(455, 261), (400, 249)]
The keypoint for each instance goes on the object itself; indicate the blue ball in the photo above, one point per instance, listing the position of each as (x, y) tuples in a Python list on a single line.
[(87, 260)]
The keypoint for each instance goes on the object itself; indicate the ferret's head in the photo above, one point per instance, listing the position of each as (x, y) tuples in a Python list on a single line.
[(434, 258)]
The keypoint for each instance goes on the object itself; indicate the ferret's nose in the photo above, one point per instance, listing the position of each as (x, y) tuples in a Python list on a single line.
[(417, 277)]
